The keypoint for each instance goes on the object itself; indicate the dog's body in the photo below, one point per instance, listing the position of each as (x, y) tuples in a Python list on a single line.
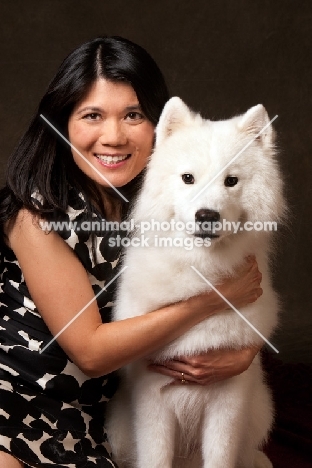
[(152, 422)]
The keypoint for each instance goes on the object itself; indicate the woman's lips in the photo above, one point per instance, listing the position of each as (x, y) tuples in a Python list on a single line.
[(112, 159)]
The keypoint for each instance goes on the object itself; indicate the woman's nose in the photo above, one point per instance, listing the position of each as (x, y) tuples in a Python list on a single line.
[(112, 133)]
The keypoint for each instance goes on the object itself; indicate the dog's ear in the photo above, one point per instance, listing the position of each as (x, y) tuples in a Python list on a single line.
[(175, 115), (254, 121)]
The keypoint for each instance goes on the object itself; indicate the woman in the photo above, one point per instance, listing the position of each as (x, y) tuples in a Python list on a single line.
[(106, 99)]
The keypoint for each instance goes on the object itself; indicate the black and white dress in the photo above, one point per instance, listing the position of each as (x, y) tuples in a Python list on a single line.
[(51, 414)]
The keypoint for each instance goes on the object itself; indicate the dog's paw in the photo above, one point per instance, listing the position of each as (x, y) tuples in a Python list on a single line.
[(262, 461)]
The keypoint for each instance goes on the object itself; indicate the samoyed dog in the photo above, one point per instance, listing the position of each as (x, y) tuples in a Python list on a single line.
[(210, 192)]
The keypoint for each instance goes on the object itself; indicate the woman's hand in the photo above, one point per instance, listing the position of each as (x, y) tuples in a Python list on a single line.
[(240, 290), (206, 368), (243, 287)]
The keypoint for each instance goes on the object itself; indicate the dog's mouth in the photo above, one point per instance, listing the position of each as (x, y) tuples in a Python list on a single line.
[(206, 235)]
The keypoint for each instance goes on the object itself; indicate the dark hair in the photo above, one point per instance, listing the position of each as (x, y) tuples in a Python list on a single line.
[(42, 161)]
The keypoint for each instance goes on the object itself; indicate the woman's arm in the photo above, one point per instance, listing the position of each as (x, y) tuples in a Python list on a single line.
[(60, 288)]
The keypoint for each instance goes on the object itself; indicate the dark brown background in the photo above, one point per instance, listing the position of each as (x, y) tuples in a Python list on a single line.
[(221, 57)]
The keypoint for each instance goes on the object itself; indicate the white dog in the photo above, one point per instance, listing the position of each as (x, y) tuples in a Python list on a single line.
[(206, 176)]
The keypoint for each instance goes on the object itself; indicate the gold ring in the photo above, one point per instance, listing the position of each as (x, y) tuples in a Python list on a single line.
[(183, 381)]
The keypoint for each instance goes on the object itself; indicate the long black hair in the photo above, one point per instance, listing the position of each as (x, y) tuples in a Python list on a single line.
[(42, 161)]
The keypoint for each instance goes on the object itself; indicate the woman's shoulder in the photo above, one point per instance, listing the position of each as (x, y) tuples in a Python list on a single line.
[(26, 225), (40, 218)]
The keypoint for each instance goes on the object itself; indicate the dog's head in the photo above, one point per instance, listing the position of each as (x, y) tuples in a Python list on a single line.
[(212, 174)]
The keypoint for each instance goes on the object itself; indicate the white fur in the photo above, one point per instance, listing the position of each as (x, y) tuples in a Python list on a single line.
[(153, 423)]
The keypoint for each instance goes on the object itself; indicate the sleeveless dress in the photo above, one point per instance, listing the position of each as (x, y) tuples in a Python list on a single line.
[(51, 414)]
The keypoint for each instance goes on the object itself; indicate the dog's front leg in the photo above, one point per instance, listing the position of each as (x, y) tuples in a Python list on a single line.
[(154, 423), (224, 421)]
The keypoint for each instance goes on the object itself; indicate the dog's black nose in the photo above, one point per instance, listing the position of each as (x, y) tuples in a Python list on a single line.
[(203, 215)]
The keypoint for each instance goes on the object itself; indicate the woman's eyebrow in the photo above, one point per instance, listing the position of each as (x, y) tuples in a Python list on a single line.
[(134, 107), (90, 108)]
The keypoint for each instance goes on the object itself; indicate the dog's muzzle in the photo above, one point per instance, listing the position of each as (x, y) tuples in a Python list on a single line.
[(205, 219)]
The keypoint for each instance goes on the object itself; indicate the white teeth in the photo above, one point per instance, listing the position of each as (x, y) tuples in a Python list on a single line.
[(111, 159)]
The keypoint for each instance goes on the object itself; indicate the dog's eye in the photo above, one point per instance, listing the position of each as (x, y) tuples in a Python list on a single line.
[(230, 181), (188, 178)]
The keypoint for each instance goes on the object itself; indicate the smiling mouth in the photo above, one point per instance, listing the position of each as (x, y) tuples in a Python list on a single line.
[(109, 159)]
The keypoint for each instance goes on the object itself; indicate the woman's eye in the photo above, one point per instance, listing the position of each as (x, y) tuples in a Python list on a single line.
[(92, 116), (134, 116), (188, 178), (230, 181)]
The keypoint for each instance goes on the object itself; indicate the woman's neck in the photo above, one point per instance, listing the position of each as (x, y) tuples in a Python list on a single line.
[(112, 205)]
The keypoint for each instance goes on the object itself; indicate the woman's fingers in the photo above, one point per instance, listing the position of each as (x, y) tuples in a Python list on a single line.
[(206, 368), (244, 287), (179, 377)]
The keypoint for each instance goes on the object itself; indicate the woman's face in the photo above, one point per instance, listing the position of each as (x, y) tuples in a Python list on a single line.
[(110, 131)]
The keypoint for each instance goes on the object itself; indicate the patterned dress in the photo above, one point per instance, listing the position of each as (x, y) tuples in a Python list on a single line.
[(51, 414)]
